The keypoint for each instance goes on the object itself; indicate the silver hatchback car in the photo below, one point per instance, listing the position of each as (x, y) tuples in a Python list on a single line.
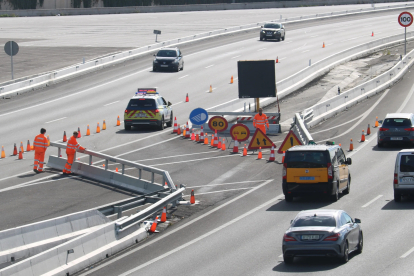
[(322, 232), (396, 128)]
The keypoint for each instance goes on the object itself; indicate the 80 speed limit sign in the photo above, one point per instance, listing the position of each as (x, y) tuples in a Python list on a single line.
[(405, 19)]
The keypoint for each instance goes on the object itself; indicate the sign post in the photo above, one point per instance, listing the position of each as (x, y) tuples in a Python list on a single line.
[(11, 48), (157, 32), (405, 19)]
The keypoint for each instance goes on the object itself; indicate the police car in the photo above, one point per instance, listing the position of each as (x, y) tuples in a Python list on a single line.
[(147, 107)]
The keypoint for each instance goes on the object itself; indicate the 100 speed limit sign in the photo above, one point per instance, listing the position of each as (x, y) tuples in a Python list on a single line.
[(405, 19)]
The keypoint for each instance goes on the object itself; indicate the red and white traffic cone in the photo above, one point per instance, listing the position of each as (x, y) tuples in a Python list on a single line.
[(260, 156), (175, 125), (164, 215), (215, 143), (272, 154), (154, 225), (187, 132), (236, 146), (202, 135), (192, 198), (362, 136), (283, 157), (245, 150)]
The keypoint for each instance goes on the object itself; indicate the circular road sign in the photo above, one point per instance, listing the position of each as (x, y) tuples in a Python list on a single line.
[(13, 50), (198, 116), (241, 131), (405, 19), (218, 123)]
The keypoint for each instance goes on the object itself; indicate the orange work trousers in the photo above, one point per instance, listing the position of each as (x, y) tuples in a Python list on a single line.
[(39, 159), (262, 128), (69, 162)]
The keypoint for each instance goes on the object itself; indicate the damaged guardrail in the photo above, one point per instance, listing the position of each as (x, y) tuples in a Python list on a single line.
[(301, 131)]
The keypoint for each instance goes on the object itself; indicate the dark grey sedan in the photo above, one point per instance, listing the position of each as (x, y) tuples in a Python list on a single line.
[(168, 59), (396, 128), (327, 233)]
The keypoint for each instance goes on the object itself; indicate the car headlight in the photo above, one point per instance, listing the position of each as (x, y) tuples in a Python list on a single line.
[(263, 31), (175, 61), (155, 61)]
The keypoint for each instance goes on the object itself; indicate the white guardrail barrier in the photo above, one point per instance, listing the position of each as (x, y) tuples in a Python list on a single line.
[(31, 83)]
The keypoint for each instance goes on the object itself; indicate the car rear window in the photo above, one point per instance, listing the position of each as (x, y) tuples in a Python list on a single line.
[(167, 53), (407, 163), (272, 26), (396, 122), (307, 159), (141, 104), (324, 221)]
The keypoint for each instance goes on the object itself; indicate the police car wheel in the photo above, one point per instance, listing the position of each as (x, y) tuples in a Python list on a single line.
[(162, 123), (169, 124)]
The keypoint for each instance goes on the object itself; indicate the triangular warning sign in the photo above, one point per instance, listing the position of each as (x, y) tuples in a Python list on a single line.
[(260, 140), (290, 141)]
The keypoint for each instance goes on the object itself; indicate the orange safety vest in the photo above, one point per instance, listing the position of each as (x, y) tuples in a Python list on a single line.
[(73, 146), (260, 121), (40, 143)]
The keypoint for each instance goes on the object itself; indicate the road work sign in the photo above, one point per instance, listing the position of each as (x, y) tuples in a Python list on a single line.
[(218, 123), (240, 131), (260, 140), (290, 141), (198, 116)]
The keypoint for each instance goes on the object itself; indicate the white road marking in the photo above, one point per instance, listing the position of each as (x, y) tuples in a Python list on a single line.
[(282, 58), (183, 77), (371, 201), (231, 183), (168, 233), (261, 49), (111, 103), (55, 120), (337, 125), (194, 160), (407, 253), (236, 56), (221, 191), (209, 66), (290, 41), (314, 36), (172, 156), (281, 256), (35, 182), (305, 51)]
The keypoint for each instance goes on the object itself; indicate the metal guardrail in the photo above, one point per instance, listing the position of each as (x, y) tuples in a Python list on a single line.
[(166, 176), (301, 130)]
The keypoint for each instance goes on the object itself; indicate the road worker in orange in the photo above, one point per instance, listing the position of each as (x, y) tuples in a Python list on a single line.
[(71, 148), (260, 121), (40, 145)]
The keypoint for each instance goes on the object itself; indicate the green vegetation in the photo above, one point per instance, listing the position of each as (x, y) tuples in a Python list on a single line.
[(22, 4)]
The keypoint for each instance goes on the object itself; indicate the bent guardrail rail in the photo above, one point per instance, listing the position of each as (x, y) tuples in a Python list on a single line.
[(301, 131), (119, 180)]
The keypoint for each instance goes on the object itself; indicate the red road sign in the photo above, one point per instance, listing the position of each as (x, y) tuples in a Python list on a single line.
[(405, 19), (218, 123), (241, 131)]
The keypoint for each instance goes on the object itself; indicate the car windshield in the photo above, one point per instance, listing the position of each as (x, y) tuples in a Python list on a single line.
[(167, 53), (141, 104), (307, 159), (272, 26), (407, 163), (324, 221), (396, 122)]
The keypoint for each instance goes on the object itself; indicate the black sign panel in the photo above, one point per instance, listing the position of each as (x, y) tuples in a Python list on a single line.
[(257, 78), (11, 48)]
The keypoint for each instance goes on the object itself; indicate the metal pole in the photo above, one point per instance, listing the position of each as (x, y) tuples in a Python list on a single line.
[(405, 39), (257, 105), (11, 56)]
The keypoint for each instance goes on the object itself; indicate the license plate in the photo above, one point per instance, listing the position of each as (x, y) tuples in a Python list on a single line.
[(269, 34), (307, 178), (407, 179), (164, 65), (141, 115), (310, 237), (396, 138)]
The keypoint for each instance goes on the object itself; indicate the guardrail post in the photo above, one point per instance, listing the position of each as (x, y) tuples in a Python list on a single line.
[(90, 159), (152, 177), (139, 173), (59, 152), (106, 164), (123, 169)]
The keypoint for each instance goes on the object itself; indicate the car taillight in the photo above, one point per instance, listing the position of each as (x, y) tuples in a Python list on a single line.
[(126, 110), (409, 129), (157, 111), (284, 171), (395, 178), (384, 129), (330, 174), (333, 237), (287, 238)]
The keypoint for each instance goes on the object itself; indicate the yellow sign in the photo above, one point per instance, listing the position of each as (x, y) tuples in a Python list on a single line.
[(240, 131), (218, 123), (260, 140), (290, 141)]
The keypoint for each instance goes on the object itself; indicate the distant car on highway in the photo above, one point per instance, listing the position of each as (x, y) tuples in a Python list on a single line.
[(272, 31), (168, 59), (403, 174), (322, 232), (396, 128)]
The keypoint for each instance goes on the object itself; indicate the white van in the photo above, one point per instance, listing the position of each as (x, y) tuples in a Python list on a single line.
[(404, 174)]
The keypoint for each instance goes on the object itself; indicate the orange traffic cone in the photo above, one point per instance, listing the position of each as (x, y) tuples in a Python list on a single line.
[(236, 146), (164, 215), (351, 146), (197, 138), (187, 132), (28, 146), (272, 154), (118, 121), (211, 89), (104, 125), (192, 135), (178, 130), (323, 45), (219, 143), (206, 140), (79, 133), (260, 156), (20, 154), (277, 59), (88, 132), (116, 169), (362, 136), (175, 125), (223, 145), (64, 136), (202, 135), (372, 34), (368, 130), (15, 149), (187, 99), (48, 141), (154, 225), (376, 122), (3, 153), (245, 150), (283, 157), (231, 80), (192, 199), (98, 129), (32, 147), (21, 146), (212, 140)]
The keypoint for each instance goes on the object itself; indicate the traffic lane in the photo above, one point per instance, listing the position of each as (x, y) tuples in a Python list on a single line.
[(62, 196)]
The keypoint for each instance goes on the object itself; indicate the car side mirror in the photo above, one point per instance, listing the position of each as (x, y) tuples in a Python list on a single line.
[(169, 103), (357, 220), (349, 161), (154, 55), (291, 221)]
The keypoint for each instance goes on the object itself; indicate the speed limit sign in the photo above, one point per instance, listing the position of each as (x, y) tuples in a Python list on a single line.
[(405, 19)]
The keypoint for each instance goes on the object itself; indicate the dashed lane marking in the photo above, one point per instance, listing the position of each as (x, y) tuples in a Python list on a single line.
[(183, 77), (407, 253), (236, 56), (209, 66), (366, 205), (56, 120), (305, 51), (231, 183), (111, 103), (221, 191), (261, 49), (337, 125)]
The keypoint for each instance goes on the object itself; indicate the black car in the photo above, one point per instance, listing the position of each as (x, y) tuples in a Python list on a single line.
[(168, 58), (272, 31)]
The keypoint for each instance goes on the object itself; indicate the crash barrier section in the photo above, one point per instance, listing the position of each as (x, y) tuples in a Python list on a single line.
[(333, 106), (301, 131), (100, 242), (33, 82), (28, 240), (117, 179)]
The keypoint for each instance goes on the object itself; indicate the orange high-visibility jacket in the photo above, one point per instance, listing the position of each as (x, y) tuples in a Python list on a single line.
[(260, 121), (40, 143), (73, 146)]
